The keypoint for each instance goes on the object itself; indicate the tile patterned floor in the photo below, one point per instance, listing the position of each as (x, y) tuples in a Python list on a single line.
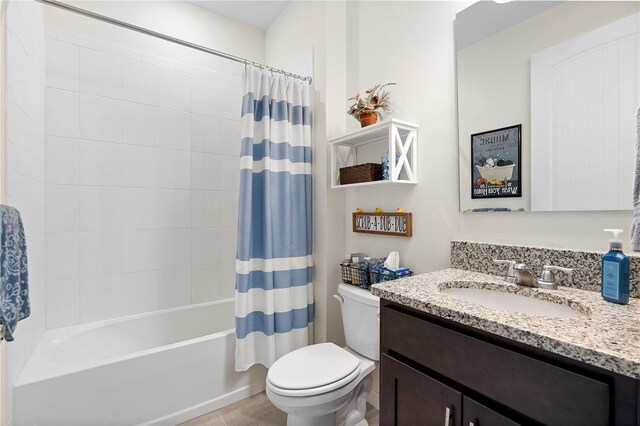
[(256, 410)]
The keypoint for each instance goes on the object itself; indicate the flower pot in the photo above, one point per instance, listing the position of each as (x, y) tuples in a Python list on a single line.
[(368, 118)]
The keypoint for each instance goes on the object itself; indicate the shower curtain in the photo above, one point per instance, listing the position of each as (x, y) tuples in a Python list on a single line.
[(274, 291)]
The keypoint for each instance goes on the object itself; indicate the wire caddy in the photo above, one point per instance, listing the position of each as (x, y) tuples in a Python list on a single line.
[(365, 277)]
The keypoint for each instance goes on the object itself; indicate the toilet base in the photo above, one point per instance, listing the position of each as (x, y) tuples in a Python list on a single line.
[(350, 413)]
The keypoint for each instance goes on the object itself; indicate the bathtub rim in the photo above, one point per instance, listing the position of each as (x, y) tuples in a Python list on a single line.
[(45, 369)]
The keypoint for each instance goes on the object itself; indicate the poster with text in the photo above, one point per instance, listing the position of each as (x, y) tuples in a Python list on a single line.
[(495, 163)]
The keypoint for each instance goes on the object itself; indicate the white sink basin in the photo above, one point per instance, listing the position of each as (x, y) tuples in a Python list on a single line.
[(512, 302)]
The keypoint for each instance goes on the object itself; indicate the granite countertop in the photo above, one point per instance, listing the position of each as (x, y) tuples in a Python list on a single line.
[(608, 336)]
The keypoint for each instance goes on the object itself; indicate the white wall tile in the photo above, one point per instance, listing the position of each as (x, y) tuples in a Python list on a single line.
[(99, 118), (230, 170), (205, 209), (63, 303), (61, 113), (139, 250), (173, 169), (228, 244), (232, 95), (174, 129), (100, 208), (79, 40), (174, 208), (62, 255), (37, 285), (100, 298), (139, 124), (139, 292), (205, 283), (205, 133), (205, 246), (139, 82), (157, 60), (100, 253), (100, 73), (25, 107), (205, 171), (175, 89), (27, 196), (100, 163), (139, 208), (62, 65), (205, 96), (230, 137), (174, 287), (62, 160), (20, 59), (25, 154), (123, 52), (175, 248), (62, 213), (229, 208), (139, 166), (227, 279)]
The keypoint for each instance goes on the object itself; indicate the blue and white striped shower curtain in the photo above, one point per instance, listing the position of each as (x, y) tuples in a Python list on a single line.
[(274, 290)]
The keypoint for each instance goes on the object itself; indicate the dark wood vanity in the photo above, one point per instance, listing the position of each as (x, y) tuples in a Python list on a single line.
[(435, 371)]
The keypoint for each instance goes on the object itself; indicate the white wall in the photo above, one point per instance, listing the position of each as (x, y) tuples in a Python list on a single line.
[(178, 19), (415, 50), (142, 177), (418, 52), (100, 176), (23, 177)]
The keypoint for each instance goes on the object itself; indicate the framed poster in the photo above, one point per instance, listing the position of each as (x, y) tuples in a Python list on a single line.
[(496, 163), (398, 224)]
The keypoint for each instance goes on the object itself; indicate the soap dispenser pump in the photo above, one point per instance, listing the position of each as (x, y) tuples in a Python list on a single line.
[(615, 271)]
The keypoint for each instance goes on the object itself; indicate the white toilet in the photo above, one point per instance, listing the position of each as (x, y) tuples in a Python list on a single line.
[(325, 384)]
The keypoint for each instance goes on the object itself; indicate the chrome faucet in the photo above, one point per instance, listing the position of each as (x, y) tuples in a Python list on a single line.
[(510, 276), (521, 274), (547, 280)]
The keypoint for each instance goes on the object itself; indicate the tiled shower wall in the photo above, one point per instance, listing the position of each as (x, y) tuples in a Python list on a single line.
[(24, 161), (141, 181)]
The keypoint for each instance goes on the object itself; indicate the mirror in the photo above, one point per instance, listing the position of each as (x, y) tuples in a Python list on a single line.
[(547, 100)]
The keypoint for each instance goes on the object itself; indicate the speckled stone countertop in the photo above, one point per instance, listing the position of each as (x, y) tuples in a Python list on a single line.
[(608, 336)]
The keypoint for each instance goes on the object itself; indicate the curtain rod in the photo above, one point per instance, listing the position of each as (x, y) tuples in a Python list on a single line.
[(165, 37)]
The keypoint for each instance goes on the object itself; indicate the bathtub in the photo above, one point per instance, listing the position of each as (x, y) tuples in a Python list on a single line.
[(163, 367)]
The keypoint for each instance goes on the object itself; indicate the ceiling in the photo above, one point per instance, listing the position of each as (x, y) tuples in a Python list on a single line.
[(259, 14)]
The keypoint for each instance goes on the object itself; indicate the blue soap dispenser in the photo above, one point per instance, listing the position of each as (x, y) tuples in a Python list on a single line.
[(615, 271)]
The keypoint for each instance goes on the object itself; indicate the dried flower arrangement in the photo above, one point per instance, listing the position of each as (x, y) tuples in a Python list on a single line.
[(366, 109)]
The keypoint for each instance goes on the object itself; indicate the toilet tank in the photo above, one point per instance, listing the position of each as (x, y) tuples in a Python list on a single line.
[(360, 319)]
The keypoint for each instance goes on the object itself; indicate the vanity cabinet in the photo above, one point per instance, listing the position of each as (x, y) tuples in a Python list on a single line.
[(429, 365)]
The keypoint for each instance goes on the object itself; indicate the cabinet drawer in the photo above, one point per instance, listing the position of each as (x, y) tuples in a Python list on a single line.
[(541, 391)]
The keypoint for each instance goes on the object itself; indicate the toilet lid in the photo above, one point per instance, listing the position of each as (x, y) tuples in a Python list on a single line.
[(312, 366)]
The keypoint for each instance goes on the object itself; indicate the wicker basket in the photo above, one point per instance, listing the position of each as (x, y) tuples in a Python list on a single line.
[(367, 172)]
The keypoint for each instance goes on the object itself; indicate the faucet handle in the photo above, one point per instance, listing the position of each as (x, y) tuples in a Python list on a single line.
[(548, 279), (510, 277)]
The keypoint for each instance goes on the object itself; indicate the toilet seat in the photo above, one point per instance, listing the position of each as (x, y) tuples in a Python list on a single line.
[(313, 370)]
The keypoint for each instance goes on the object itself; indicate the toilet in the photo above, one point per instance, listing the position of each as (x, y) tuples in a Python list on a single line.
[(325, 384)]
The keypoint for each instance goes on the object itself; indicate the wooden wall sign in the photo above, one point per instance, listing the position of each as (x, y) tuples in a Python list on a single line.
[(398, 224)]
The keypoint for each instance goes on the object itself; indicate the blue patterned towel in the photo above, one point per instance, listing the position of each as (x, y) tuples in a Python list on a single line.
[(14, 278)]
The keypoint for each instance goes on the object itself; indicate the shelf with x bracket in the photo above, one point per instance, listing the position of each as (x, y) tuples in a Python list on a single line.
[(397, 138)]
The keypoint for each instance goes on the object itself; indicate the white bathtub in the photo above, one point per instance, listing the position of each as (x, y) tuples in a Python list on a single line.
[(163, 367)]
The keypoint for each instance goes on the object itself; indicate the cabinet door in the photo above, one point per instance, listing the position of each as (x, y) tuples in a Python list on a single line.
[(476, 414), (409, 397)]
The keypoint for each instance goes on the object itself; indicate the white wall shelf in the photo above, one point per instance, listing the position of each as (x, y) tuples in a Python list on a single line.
[(369, 144)]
